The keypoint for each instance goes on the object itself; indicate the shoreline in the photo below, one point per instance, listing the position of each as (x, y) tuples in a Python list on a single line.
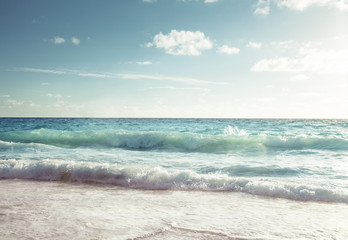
[(57, 210)]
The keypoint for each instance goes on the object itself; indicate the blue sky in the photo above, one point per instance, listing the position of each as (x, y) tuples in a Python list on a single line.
[(174, 58)]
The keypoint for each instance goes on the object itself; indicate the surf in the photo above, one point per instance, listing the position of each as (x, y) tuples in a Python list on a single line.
[(229, 142), (158, 178)]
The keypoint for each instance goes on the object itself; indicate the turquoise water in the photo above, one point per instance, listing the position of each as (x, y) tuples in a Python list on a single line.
[(302, 160)]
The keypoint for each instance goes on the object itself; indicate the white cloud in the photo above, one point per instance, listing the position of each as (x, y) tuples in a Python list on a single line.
[(182, 42), (176, 88), (32, 104), (148, 45), (277, 65), (262, 7), (284, 44), (96, 75), (39, 70), (166, 78), (254, 44), (65, 106), (75, 40), (149, 1), (205, 1), (58, 40), (301, 5), (14, 102), (44, 84), (125, 76), (4, 96), (54, 95), (228, 50), (308, 60), (262, 11), (326, 61), (145, 63)]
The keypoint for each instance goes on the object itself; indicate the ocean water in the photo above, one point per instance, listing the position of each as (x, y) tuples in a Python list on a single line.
[(187, 178)]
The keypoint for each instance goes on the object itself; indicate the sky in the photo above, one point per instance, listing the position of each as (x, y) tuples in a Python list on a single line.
[(174, 58)]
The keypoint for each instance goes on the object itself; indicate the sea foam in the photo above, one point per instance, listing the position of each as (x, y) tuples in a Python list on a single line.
[(163, 179)]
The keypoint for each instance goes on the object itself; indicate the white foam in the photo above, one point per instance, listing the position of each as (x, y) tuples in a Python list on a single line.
[(234, 131), (53, 210), (161, 179)]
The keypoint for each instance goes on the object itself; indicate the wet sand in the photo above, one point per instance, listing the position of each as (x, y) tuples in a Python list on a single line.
[(56, 210)]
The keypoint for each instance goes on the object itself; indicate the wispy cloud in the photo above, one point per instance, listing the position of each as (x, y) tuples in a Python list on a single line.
[(301, 5), (62, 103), (54, 95), (145, 63), (282, 64), (18, 105), (284, 44), (5, 96), (149, 1), (40, 70), (254, 44), (228, 50), (58, 40), (308, 60), (61, 40), (75, 40), (182, 42), (14, 102), (175, 88), (96, 75), (125, 76), (37, 20), (205, 1), (166, 78), (263, 6)]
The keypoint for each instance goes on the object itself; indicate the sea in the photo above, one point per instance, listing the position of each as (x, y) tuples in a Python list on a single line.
[(117, 178)]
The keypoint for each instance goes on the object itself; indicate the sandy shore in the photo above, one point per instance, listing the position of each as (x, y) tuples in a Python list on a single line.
[(53, 210)]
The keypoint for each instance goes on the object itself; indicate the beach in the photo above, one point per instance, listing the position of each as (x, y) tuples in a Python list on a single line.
[(56, 210)]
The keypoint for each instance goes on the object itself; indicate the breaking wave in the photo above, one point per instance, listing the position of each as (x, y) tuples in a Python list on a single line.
[(162, 179), (232, 140)]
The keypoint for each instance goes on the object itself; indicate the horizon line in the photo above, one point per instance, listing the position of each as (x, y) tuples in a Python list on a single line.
[(231, 118)]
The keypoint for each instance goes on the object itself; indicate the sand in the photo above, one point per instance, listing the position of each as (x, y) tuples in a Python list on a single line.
[(56, 210)]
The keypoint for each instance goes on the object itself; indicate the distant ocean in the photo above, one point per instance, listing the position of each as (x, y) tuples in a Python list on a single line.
[(293, 175)]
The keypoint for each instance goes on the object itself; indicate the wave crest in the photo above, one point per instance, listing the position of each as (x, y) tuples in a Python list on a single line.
[(232, 140), (162, 179)]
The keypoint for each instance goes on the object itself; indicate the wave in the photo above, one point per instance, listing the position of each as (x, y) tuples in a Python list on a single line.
[(162, 179), (173, 141), (254, 171)]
